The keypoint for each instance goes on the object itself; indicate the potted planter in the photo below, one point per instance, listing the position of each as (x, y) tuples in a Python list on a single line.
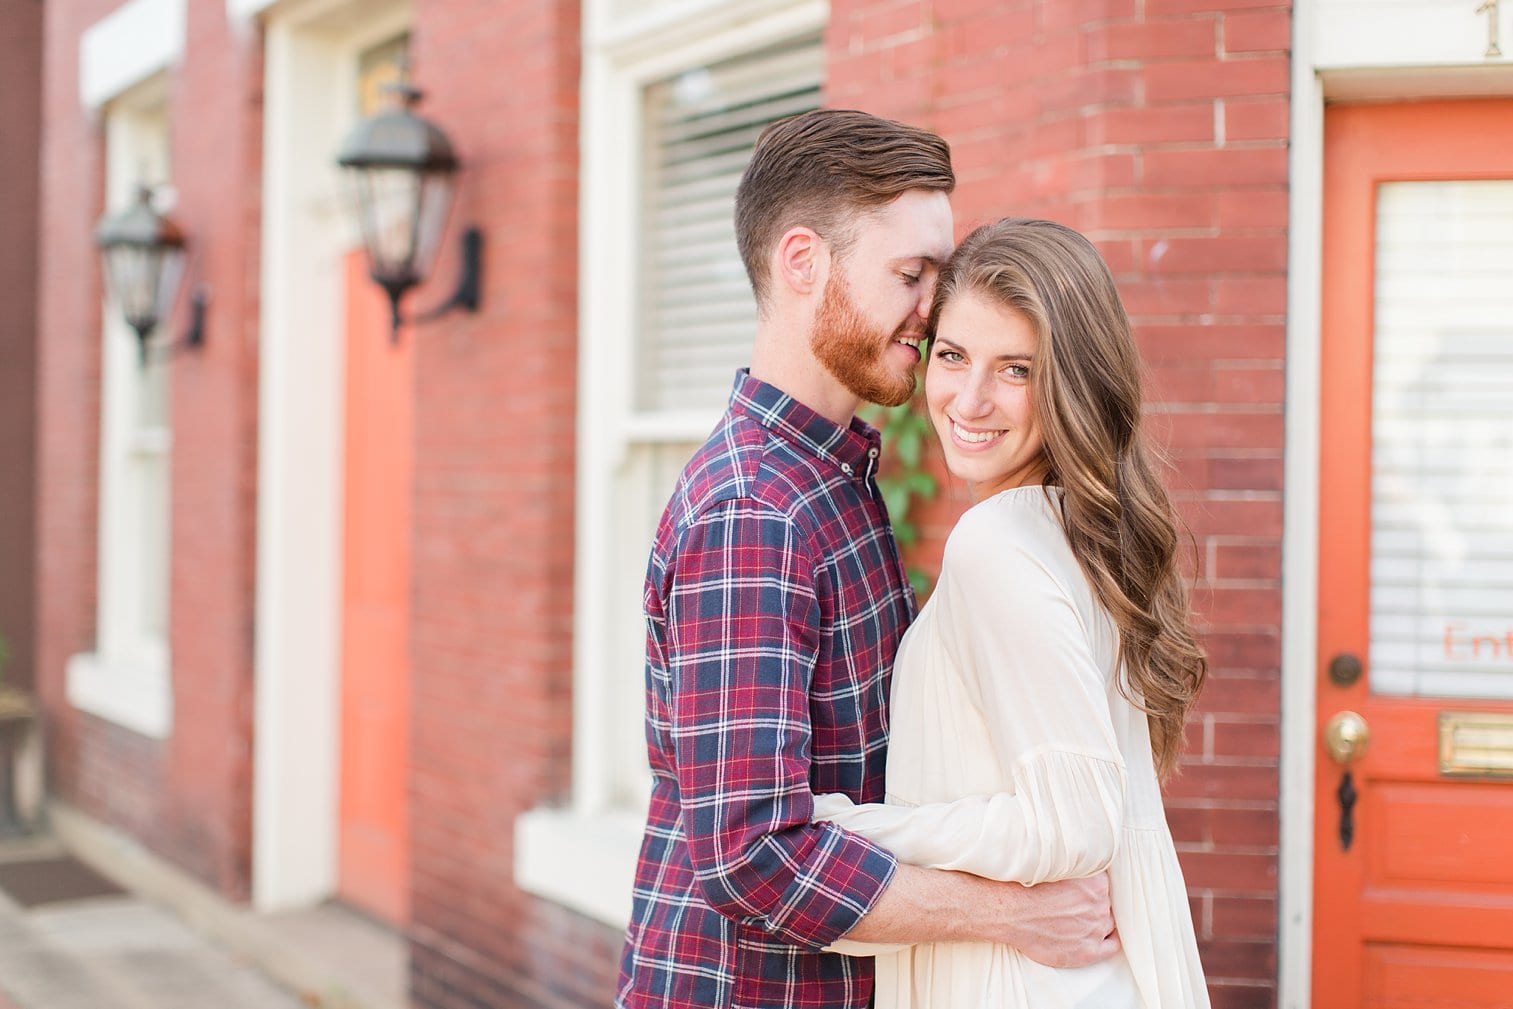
[(18, 740)]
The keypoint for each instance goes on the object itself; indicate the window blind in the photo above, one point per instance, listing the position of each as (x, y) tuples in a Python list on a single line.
[(696, 313), (1442, 440)]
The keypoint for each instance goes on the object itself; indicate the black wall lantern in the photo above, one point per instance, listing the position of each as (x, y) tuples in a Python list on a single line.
[(401, 168), (143, 253)]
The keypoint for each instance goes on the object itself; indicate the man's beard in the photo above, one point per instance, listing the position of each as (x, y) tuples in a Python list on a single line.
[(854, 350)]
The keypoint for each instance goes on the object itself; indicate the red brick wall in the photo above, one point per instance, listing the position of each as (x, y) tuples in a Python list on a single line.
[(20, 111), (187, 798), (495, 409), (1160, 129)]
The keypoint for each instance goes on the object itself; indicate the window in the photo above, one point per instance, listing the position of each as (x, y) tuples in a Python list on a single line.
[(126, 678), (666, 318)]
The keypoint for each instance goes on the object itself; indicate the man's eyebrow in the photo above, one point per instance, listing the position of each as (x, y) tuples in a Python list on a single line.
[(921, 257)]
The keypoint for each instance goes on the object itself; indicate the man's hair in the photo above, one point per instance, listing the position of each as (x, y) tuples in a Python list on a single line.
[(823, 168)]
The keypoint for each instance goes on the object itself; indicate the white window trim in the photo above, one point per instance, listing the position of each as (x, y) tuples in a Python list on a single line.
[(584, 856), (127, 679), (129, 45)]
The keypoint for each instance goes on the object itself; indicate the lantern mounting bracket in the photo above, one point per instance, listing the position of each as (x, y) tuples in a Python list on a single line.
[(467, 295)]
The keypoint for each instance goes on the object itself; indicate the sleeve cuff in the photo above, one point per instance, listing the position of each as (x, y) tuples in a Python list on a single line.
[(835, 891)]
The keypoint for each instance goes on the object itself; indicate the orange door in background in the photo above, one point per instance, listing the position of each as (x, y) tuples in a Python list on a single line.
[(1416, 558), (373, 870)]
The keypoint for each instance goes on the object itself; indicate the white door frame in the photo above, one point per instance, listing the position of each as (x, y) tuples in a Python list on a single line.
[(1415, 49), (310, 105)]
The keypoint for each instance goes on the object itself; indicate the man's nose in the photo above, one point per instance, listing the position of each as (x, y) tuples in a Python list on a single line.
[(926, 296)]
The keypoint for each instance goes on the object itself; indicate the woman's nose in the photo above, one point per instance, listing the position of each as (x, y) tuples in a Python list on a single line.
[(974, 399)]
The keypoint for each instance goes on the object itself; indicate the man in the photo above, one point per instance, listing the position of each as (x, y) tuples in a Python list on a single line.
[(775, 600)]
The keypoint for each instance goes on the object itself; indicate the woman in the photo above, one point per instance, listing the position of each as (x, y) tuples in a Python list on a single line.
[(1039, 698)]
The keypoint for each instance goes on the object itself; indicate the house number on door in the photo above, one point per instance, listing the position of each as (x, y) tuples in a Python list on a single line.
[(1489, 8)]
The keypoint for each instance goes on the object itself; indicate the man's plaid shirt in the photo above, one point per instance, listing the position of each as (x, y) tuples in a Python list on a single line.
[(775, 600)]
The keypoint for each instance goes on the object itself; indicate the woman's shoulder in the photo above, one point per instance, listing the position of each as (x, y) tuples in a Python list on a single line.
[(1013, 526)]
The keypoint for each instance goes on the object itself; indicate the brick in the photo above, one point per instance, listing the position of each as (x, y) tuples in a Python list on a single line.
[(1234, 650), (1247, 561), (1265, 296), (1227, 607), (1254, 829), (1185, 342), (973, 74), (1165, 297), (1159, 39), (1258, 31), (1258, 119), (1244, 917), (1258, 385), (1215, 167), (952, 10), (1243, 694), (1244, 739), (1246, 473), (1238, 958), (873, 22), (1061, 16), (1187, 122), (1000, 31), (1228, 871), (1147, 212), (1162, 8), (1260, 207), (1081, 88), (1218, 254), (1181, 81), (1225, 995), (1178, 384)]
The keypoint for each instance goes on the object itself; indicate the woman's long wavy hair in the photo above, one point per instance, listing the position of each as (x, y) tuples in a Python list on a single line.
[(1085, 391)]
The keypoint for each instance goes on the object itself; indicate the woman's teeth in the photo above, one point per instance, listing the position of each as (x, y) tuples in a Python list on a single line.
[(973, 437)]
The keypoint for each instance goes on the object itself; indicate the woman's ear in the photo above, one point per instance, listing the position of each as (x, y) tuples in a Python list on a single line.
[(799, 261)]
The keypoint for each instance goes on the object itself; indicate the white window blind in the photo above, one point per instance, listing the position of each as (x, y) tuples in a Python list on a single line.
[(697, 314), (1442, 441)]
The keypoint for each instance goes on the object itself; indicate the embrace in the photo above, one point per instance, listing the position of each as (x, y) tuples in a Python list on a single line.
[(854, 804)]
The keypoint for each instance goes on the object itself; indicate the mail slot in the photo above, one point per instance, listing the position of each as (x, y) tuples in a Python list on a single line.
[(1475, 744)]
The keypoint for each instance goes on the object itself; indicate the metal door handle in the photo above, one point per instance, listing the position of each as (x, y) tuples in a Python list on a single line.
[(1345, 737)]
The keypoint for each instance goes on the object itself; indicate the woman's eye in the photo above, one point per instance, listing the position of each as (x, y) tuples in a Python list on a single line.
[(1018, 371), (947, 355)]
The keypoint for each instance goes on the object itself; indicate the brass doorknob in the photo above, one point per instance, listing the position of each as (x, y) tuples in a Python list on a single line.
[(1345, 736)]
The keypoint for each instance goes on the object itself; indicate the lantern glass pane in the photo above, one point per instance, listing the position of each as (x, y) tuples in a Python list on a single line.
[(144, 281), (388, 201), (435, 202)]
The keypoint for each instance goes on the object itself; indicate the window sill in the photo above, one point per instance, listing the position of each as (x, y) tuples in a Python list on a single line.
[(583, 861), (134, 695)]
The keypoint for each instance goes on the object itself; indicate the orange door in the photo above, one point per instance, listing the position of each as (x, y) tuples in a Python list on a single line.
[(1416, 558), (373, 870)]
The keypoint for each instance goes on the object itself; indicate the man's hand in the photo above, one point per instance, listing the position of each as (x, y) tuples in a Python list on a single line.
[(1063, 924), (1068, 923)]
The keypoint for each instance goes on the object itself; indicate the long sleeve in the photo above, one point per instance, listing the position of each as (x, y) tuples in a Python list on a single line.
[(1010, 628), (742, 635)]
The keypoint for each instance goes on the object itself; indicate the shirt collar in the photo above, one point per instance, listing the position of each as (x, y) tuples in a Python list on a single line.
[(854, 450)]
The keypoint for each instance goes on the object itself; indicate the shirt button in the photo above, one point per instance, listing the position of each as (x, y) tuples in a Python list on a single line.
[(846, 468), (871, 453)]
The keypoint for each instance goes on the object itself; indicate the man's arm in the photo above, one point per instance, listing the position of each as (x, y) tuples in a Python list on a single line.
[(742, 637), (1067, 923)]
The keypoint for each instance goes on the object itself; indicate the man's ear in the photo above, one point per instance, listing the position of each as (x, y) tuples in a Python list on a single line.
[(799, 261)]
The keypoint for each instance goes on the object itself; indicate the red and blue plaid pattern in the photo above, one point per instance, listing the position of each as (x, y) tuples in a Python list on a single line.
[(775, 600)]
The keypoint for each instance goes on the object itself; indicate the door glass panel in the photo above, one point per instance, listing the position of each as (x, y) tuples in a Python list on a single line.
[(1442, 441)]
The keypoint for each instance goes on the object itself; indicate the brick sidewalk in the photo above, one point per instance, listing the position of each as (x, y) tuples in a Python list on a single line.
[(121, 953)]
